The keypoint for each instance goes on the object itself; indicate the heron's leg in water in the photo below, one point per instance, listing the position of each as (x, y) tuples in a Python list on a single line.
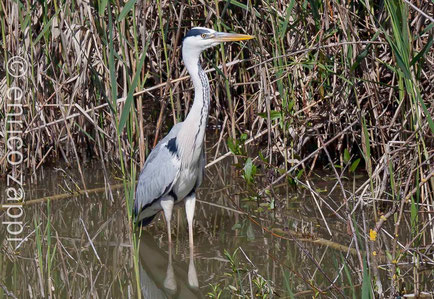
[(192, 274), (170, 281), (167, 205), (190, 203)]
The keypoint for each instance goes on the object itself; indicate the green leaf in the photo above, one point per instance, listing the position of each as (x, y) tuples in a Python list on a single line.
[(399, 59), (249, 170), (314, 8), (126, 9), (44, 30), (111, 62), (239, 4), (364, 53), (20, 4), (299, 174), (389, 255), (427, 29), (236, 226), (244, 6), (272, 204), (354, 165), (346, 156), (423, 51), (360, 57), (25, 22), (232, 146), (102, 6), (261, 156), (366, 283), (273, 114), (290, 105), (250, 232), (129, 101), (284, 27), (427, 113), (348, 275)]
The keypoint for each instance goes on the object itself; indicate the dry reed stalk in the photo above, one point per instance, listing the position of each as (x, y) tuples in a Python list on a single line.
[(325, 84)]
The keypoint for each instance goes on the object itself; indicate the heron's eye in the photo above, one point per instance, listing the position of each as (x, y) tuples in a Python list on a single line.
[(203, 35)]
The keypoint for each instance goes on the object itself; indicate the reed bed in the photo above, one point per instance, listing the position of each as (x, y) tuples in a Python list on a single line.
[(341, 85)]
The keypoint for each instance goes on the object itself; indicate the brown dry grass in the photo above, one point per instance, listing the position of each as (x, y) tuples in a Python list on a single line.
[(323, 84)]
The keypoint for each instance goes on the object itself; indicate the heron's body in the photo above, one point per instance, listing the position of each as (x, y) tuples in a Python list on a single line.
[(174, 168), (185, 181)]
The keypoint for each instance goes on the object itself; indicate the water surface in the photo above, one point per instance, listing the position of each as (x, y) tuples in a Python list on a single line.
[(81, 247)]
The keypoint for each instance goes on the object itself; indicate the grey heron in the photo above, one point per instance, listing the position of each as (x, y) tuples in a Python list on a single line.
[(174, 168)]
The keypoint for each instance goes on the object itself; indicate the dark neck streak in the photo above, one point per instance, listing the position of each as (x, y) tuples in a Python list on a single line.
[(205, 103)]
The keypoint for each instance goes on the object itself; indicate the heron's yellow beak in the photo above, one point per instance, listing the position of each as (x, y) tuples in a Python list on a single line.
[(230, 37)]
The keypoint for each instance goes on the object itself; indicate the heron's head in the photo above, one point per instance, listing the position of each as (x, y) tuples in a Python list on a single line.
[(198, 39)]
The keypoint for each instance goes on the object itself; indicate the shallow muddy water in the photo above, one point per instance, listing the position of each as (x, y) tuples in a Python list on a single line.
[(81, 247)]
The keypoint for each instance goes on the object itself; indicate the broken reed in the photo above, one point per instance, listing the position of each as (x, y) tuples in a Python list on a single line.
[(330, 81)]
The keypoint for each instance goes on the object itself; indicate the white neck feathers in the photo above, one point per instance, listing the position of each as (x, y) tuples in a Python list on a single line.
[(191, 135)]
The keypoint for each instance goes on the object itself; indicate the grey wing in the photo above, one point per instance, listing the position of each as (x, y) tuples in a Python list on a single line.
[(159, 173)]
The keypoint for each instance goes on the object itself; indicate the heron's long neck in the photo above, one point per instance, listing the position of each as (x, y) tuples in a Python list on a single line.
[(193, 130), (199, 111)]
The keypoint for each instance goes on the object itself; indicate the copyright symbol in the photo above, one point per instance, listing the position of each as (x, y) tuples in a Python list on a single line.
[(17, 66)]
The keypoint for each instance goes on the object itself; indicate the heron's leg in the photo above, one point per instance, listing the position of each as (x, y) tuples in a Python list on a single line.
[(192, 274), (167, 205), (169, 280), (190, 203)]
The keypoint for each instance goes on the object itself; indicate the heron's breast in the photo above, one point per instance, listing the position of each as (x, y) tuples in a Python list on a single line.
[(186, 182)]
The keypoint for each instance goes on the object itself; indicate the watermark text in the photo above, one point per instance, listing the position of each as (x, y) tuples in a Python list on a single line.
[(16, 68)]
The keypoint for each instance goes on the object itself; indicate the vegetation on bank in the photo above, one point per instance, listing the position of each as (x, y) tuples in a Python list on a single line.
[(341, 85)]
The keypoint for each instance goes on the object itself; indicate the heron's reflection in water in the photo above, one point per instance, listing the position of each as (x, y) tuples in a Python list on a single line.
[(161, 277)]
